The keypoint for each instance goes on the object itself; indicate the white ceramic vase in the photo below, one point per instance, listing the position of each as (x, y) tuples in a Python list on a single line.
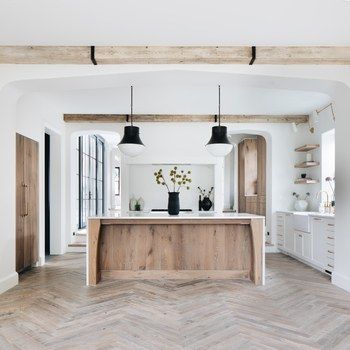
[(301, 205)]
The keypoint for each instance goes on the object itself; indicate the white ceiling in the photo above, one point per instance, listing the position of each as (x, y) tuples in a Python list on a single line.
[(182, 22)]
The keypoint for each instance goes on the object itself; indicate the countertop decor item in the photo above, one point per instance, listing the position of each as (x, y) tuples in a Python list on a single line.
[(180, 179), (301, 204), (219, 145), (131, 144), (205, 203), (136, 204)]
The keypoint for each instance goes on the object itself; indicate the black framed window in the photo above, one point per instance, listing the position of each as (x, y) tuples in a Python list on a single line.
[(90, 150)]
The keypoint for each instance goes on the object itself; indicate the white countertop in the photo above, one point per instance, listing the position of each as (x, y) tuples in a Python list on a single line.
[(309, 213), (183, 215)]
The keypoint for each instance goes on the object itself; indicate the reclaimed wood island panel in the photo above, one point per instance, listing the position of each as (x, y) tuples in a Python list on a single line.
[(189, 246)]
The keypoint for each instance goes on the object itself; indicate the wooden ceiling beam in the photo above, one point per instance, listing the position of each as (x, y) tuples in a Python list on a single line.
[(339, 55), (183, 118)]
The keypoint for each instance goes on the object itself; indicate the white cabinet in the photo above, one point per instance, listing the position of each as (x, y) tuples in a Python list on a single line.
[(330, 240), (289, 232), (280, 230), (307, 246), (318, 241), (315, 248), (298, 243)]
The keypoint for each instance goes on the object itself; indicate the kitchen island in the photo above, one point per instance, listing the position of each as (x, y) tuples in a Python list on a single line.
[(188, 246)]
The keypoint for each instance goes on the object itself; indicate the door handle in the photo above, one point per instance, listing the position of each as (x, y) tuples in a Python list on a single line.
[(25, 200)]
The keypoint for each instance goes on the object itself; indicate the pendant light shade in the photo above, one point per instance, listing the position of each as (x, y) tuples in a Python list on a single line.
[(131, 144), (219, 144)]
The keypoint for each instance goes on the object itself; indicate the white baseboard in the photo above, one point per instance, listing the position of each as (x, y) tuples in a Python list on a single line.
[(341, 281), (271, 249), (8, 282)]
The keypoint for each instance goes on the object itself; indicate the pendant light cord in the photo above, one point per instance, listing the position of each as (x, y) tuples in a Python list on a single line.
[(131, 104), (219, 105)]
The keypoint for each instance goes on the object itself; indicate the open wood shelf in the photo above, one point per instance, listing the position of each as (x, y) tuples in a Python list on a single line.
[(306, 148), (305, 181), (307, 165)]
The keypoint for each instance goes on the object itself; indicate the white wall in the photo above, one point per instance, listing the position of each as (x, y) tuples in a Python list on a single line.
[(142, 184), (341, 275), (323, 123), (328, 162), (8, 274)]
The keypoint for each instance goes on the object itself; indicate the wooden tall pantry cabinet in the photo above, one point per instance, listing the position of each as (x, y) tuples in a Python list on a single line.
[(27, 202)]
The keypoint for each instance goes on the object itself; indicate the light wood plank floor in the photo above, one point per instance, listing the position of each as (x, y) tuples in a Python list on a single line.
[(53, 309)]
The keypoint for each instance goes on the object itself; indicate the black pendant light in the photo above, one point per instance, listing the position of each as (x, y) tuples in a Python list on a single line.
[(219, 145), (131, 144)]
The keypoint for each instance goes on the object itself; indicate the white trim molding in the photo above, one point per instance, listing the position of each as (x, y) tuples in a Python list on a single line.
[(8, 282), (341, 281)]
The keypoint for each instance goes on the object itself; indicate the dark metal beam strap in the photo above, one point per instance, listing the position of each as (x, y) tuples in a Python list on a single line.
[(92, 55), (253, 55)]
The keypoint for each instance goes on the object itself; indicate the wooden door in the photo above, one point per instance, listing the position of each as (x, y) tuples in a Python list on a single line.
[(261, 175), (27, 201)]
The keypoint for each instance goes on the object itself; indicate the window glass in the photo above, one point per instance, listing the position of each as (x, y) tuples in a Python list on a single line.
[(90, 151)]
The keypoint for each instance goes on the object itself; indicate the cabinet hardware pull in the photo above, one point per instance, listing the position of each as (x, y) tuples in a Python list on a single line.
[(331, 225), (329, 251), (25, 199), (317, 219), (329, 237), (330, 265)]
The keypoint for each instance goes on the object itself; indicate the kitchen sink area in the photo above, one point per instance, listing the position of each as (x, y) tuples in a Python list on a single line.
[(308, 237)]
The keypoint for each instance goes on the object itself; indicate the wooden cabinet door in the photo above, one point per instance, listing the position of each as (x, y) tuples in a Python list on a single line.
[(27, 201)]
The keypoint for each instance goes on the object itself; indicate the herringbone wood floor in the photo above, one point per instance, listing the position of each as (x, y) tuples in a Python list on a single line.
[(53, 309)]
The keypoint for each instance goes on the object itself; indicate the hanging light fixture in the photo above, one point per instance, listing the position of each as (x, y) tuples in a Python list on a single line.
[(219, 145), (131, 144)]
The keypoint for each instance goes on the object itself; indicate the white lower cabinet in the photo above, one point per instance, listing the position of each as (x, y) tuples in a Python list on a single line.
[(315, 248), (307, 245), (289, 232), (318, 242), (298, 243)]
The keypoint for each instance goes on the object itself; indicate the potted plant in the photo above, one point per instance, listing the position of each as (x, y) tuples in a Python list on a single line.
[(180, 179), (301, 204)]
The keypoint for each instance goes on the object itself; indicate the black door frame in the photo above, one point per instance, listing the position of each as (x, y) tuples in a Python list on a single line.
[(47, 194)]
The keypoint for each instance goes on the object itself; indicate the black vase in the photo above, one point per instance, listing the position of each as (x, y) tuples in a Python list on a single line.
[(206, 203), (173, 203)]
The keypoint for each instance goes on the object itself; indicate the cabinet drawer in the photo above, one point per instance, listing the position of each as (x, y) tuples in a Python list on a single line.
[(330, 224), (330, 256), (330, 264), (329, 241), (330, 235)]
